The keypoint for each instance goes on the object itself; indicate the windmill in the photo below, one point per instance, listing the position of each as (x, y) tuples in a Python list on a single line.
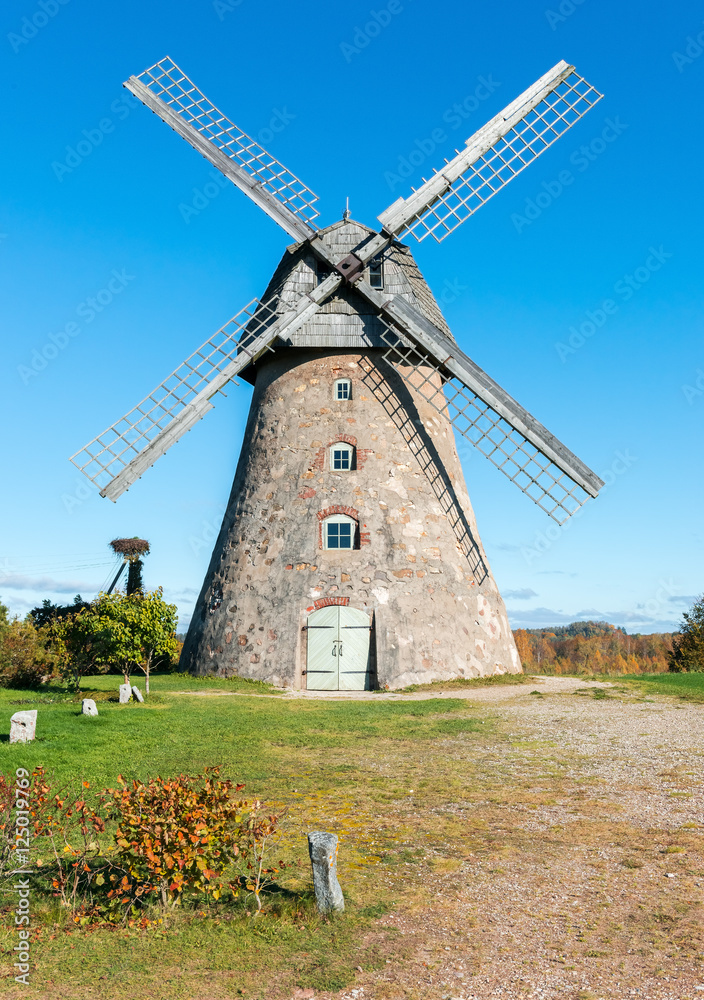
[(349, 555)]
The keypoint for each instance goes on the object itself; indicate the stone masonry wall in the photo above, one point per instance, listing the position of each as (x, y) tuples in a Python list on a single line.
[(420, 569)]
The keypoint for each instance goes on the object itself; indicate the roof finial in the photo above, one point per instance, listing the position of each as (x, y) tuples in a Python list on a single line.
[(346, 213)]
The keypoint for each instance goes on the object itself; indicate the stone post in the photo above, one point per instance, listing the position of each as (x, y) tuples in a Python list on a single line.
[(125, 693), (322, 848), (88, 707), (23, 726), (137, 694)]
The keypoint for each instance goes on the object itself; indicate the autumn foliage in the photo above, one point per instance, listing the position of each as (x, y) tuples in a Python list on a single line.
[(143, 844), (178, 836), (591, 647)]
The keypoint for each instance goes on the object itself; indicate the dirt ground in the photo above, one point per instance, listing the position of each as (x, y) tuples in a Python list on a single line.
[(592, 889)]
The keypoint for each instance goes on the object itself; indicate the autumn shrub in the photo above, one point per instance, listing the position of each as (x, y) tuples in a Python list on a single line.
[(144, 844), (24, 658), (26, 792), (179, 837)]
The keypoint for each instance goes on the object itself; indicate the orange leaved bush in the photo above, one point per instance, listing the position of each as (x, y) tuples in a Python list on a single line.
[(172, 839), (176, 836)]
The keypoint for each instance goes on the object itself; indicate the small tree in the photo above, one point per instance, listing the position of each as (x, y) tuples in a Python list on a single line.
[(142, 629), (688, 644), (523, 645), (82, 643), (120, 615), (157, 630)]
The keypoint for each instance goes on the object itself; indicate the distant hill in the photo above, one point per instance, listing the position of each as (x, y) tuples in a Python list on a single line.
[(591, 647)]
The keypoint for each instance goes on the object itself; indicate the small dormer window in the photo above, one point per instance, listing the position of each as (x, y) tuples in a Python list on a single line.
[(341, 457), (343, 388), (376, 274)]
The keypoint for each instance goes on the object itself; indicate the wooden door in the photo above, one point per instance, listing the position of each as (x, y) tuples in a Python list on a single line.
[(322, 659), (338, 650), (353, 650)]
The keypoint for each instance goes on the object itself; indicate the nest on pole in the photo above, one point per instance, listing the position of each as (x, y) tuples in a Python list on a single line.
[(130, 548)]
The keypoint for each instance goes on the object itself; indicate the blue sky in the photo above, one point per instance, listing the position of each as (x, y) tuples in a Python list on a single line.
[(349, 104)]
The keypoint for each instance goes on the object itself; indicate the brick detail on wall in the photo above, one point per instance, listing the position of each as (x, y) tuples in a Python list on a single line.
[(338, 509), (361, 455), (327, 602)]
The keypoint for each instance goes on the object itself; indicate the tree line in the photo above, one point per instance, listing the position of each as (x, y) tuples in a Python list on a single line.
[(598, 647), (117, 633)]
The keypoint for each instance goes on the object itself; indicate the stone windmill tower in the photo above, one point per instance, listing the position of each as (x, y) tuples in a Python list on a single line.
[(349, 555)]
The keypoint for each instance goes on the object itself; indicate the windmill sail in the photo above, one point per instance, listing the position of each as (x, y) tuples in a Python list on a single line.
[(494, 155), (115, 459), (175, 98), (479, 409)]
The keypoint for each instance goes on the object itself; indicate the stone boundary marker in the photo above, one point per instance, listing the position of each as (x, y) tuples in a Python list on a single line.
[(23, 727), (88, 707), (322, 848)]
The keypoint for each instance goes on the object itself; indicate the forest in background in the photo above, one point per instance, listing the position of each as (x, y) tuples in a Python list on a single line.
[(592, 648)]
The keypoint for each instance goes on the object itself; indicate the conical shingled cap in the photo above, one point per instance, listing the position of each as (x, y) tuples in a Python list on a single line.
[(417, 571), (346, 319)]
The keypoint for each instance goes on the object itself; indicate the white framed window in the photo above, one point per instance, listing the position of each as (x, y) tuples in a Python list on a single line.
[(341, 457), (343, 388), (339, 532)]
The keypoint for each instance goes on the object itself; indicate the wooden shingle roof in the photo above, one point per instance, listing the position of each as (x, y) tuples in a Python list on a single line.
[(347, 320)]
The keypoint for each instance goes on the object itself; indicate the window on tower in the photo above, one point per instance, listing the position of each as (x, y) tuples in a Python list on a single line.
[(322, 271), (343, 388), (339, 532), (341, 457), (376, 274)]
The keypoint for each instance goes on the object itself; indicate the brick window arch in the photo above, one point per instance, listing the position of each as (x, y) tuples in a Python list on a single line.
[(341, 515)]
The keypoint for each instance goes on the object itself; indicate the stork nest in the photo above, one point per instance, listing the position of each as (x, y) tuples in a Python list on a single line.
[(130, 548)]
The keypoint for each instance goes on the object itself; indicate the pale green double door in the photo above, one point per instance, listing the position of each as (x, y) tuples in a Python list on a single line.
[(338, 650)]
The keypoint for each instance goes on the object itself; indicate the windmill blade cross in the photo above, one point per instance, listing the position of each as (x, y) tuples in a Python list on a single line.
[(280, 193), (493, 156), (503, 430), (115, 459)]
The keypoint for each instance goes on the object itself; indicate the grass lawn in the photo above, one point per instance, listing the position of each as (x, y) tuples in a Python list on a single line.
[(304, 756), (689, 687), (427, 796)]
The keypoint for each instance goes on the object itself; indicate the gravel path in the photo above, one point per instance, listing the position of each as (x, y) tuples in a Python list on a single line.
[(603, 898)]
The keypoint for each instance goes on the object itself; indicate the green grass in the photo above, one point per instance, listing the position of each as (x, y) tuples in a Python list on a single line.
[(689, 687), (178, 682), (416, 790), (319, 759), (186, 732)]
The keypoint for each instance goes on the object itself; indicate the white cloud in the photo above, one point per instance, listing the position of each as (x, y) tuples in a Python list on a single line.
[(43, 584), (632, 621)]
